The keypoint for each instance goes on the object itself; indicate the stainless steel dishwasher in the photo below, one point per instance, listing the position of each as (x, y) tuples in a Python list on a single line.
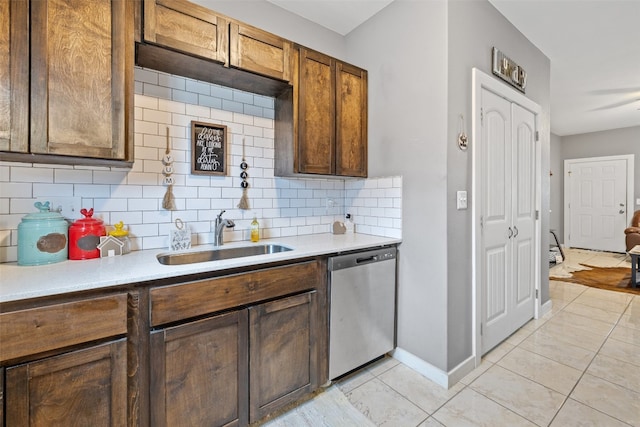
[(362, 311)]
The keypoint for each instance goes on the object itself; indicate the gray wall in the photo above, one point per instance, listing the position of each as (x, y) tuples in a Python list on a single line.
[(596, 144), (404, 48), (474, 28), (556, 220)]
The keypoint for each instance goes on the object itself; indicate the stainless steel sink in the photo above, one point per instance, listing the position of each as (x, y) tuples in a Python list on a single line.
[(219, 254)]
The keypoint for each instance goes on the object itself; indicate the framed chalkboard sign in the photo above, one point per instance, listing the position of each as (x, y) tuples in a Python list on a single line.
[(208, 149)]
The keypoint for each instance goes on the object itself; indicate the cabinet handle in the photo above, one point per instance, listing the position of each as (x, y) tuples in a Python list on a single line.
[(510, 232), (515, 229)]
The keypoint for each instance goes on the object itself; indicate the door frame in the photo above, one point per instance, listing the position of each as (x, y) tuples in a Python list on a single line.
[(630, 158), (480, 81)]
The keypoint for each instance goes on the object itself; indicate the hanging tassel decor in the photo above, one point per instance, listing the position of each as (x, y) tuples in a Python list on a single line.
[(168, 202), (244, 201)]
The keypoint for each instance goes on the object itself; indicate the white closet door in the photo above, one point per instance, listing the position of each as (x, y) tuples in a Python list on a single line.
[(496, 217), (524, 215), (508, 218)]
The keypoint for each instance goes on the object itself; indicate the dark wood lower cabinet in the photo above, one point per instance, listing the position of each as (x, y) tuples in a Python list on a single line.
[(283, 352), (234, 368), (215, 351), (82, 388), (199, 373)]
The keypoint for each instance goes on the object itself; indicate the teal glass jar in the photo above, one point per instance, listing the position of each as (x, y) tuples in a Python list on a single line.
[(43, 237)]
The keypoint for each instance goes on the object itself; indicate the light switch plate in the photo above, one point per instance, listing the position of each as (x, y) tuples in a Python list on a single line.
[(461, 197), (638, 202)]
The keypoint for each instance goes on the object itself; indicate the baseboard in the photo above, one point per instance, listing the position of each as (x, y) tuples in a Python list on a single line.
[(546, 307), (437, 375)]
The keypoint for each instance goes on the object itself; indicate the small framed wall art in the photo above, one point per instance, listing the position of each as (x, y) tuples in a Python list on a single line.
[(208, 149)]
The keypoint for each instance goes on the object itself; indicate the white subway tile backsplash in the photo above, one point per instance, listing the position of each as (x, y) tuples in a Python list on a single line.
[(59, 190), (15, 189), (284, 206), (126, 191), (174, 82), (198, 87), (27, 174), (145, 76)]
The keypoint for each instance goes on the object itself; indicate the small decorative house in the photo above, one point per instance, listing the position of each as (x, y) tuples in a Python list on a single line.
[(110, 246)]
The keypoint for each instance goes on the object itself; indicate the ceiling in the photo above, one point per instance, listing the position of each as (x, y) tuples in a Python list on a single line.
[(593, 46)]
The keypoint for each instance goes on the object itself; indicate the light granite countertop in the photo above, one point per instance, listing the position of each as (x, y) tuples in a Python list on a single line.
[(23, 282)]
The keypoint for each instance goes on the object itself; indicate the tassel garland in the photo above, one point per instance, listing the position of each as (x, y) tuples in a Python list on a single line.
[(244, 201), (168, 201)]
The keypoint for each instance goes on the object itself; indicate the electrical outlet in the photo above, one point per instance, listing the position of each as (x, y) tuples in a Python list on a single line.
[(69, 207), (330, 204)]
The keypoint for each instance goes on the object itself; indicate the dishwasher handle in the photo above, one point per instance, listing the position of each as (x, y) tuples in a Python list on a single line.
[(367, 260), (341, 262)]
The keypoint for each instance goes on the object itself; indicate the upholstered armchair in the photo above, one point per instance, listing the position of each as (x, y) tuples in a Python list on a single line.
[(633, 233)]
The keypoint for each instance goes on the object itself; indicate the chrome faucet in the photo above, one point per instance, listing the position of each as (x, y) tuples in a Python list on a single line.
[(221, 223)]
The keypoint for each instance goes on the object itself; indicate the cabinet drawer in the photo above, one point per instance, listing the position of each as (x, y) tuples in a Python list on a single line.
[(183, 301), (37, 330)]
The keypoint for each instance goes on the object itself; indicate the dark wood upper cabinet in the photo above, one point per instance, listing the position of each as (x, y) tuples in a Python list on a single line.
[(14, 76), (82, 388), (351, 120), (327, 109), (258, 51), (186, 27), (82, 79), (316, 109)]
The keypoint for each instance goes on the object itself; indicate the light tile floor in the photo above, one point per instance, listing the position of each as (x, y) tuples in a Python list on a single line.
[(579, 365)]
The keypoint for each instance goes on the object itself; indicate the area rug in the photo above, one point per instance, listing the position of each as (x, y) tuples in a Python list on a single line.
[(611, 278)]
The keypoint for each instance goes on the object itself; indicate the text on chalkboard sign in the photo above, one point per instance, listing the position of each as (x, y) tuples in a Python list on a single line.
[(208, 148)]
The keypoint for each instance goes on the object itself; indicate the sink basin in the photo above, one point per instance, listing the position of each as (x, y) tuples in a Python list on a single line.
[(219, 254)]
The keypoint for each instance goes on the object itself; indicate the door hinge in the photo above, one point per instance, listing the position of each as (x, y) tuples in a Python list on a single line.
[(481, 221), (537, 294), (537, 214), (537, 136), (481, 115), (481, 331)]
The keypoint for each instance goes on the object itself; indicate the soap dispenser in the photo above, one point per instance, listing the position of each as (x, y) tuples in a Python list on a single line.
[(255, 230), (350, 226)]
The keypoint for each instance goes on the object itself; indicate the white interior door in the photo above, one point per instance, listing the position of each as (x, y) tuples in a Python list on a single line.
[(524, 215), (507, 218), (596, 203)]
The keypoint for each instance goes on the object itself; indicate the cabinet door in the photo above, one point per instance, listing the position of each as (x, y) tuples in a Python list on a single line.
[(82, 78), (254, 50), (351, 121), (186, 27), (83, 388), (316, 110), (14, 75), (283, 352), (199, 373)]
